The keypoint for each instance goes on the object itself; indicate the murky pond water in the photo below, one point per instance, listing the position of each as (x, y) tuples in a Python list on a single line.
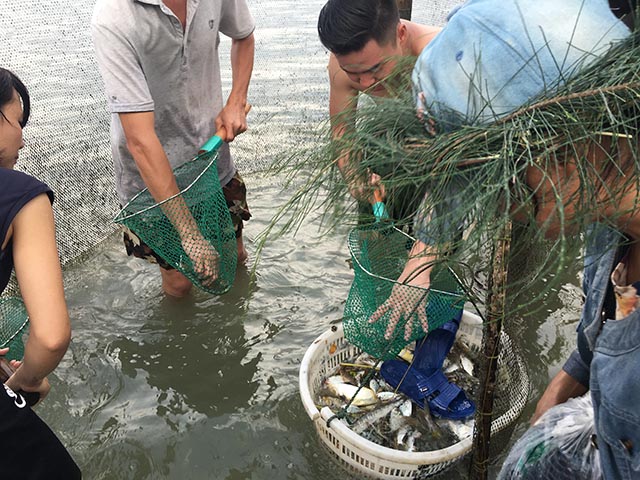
[(207, 387)]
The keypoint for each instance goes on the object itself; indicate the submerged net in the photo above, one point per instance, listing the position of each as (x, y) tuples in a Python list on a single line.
[(379, 253), (193, 230), (14, 325)]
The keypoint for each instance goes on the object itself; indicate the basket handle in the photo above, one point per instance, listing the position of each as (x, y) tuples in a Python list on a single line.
[(379, 209), (215, 142)]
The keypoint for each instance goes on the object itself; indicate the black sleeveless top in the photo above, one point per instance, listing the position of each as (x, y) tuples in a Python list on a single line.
[(16, 190)]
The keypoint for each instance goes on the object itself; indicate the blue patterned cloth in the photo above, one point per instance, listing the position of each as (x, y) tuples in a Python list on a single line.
[(493, 56)]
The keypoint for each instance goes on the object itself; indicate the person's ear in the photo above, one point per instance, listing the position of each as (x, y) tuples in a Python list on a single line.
[(402, 34)]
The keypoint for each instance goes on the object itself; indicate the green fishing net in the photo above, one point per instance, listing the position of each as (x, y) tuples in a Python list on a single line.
[(14, 325), (206, 251), (379, 253)]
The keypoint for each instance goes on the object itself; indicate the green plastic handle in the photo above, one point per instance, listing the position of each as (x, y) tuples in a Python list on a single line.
[(380, 211), (211, 145), (215, 142)]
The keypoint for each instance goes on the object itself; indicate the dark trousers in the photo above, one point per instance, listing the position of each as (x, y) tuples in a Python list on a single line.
[(28, 447)]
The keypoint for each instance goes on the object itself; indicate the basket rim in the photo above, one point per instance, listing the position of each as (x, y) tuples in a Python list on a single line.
[(451, 452), (123, 215), (355, 259)]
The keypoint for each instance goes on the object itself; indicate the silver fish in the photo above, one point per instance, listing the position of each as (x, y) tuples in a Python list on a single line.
[(411, 440), (368, 419), (460, 429)]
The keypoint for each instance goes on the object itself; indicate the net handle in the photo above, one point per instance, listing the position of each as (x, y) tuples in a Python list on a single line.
[(209, 147), (215, 142), (379, 210)]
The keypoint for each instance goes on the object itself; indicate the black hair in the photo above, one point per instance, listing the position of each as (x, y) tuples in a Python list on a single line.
[(8, 83), (345, 26)]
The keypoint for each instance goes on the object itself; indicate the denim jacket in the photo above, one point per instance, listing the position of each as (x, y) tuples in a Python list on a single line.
[(611, 352)]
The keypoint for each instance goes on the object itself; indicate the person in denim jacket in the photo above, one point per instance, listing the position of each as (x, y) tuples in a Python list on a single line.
[(491, 58), (509, 35)]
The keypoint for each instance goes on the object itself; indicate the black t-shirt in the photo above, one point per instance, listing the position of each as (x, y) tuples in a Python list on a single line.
[(16, 190)]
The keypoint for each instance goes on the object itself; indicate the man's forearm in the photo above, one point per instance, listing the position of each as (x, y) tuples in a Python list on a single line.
[(154, 168), (242, 55), (561, 388), (148, 154), (417, 270)]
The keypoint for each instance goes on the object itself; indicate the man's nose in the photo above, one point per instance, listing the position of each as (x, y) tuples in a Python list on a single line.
[(367, 80)]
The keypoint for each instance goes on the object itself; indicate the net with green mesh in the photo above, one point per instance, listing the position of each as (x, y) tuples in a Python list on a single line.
[(379, 253), (14, 325), (192, 231)]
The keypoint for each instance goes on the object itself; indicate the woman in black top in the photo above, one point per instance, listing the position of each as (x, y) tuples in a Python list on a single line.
[(27, 238)]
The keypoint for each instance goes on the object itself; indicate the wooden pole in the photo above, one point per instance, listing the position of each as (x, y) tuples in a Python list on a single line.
[(496, 302), (404, 7)]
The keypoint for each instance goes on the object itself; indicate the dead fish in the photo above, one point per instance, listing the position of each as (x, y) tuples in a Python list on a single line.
[(332, 402), (467, 365), (397, 419), (411, 440), (368, 419), (362, 397), (349, 375), (427, 423), (374, 385), (406, 408), (365, 359), (402, 432), (406, 438), (460, 429), (450, 362), (386, 396)]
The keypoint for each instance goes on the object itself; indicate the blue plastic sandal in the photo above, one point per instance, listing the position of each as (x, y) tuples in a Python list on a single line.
[(444, 399), (431, 351)]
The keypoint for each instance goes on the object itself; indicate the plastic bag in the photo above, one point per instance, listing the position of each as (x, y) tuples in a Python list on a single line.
[(559, 446)]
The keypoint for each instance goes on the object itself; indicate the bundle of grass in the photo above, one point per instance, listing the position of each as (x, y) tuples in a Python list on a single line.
[(555, 164)]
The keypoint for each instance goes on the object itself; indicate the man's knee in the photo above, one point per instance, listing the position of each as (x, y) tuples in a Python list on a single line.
[(175, 283)]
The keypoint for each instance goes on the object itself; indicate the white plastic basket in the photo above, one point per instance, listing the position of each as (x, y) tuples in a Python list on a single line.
[(362, 456)]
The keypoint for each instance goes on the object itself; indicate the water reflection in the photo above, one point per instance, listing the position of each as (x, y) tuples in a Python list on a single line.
[(148, 379), (203, 344)]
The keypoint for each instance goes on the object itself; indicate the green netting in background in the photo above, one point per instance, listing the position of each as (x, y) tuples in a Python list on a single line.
[(14, 325), (379, 253), (207, 258)]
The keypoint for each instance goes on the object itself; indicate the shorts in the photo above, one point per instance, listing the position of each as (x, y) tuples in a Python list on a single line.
[(235, 193)]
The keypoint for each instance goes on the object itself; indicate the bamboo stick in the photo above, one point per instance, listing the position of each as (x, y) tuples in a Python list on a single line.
[(496, 297)]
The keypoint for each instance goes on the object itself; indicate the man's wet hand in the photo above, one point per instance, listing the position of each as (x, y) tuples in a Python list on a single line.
[(404, 302)]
